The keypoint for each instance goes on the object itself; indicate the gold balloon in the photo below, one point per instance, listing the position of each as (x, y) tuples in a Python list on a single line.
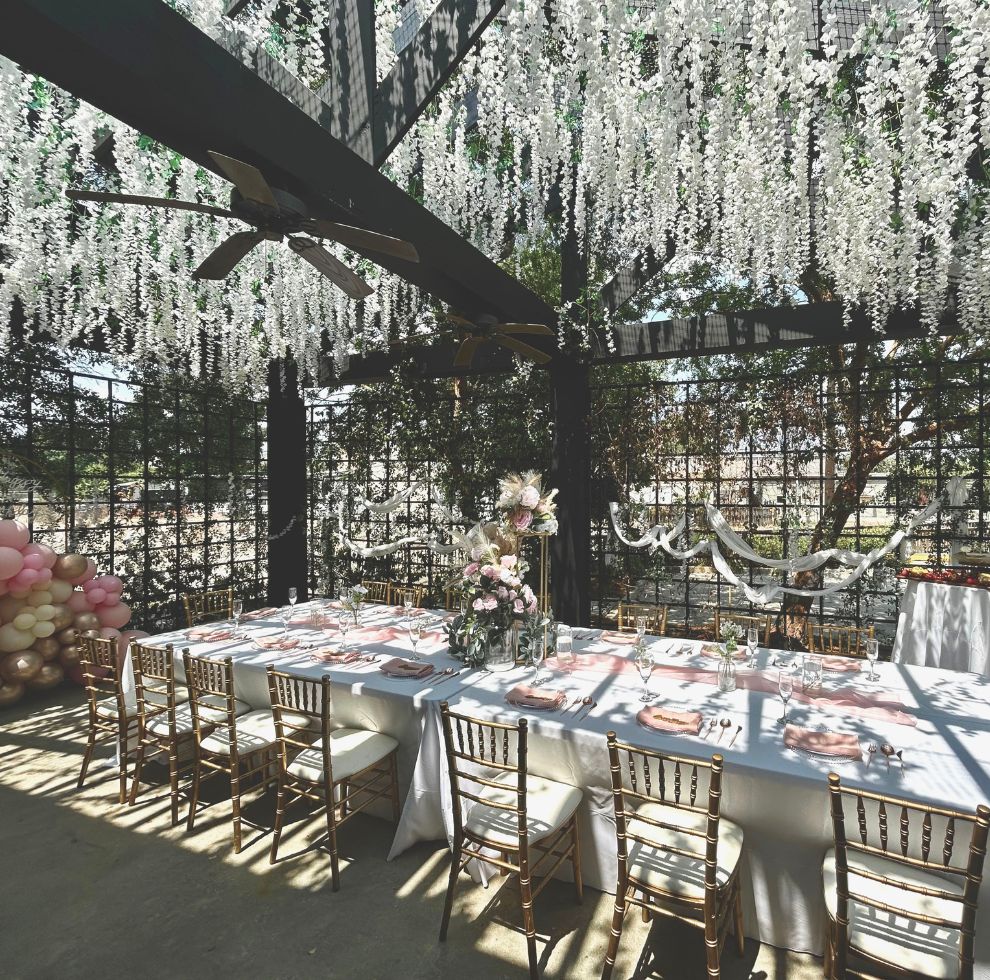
[(64, 617), (47, 646), (67, 636), (51, 675), (10, 693), (69, 566), (87, 621), (70, 655), (21, 667)]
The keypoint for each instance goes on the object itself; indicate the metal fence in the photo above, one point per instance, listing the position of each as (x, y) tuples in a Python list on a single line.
[(161, 484)]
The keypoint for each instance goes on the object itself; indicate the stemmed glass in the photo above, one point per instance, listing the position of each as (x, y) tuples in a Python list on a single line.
[(415, 635), (537, 651), (752, 639), (640, 627), (238, 610), (286, 615), (645, 664), (785, 685), (293, 596), (872, 653), (407, 604), (343, 625)]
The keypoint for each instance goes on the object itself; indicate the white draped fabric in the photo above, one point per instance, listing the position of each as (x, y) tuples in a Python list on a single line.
[(944, 626), (778, 796)]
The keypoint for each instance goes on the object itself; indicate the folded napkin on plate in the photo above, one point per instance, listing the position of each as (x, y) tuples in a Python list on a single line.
[(330, 655), (714, 650), (259, 613), (841, 665), (277, 642), (667, 720), (523, 696), (611, 636), (210, 633), (397, 667), (822, 743)]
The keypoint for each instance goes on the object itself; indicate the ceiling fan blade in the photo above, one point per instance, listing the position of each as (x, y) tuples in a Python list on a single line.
[(540, 329), (521, 347), (335, 270), (362, 238), (463, 321), (247, 179), (221, 261), (149, 202), (465, 353)]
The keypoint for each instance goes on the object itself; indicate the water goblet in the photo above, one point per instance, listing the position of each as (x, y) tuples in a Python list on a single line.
[(785, 685), (645, 664), (872, 653), (407, 603), (343, 625), (537, 651), (752, 639), (286, 616), (415, 635), (293, 596), (238, 610), (640, 627)]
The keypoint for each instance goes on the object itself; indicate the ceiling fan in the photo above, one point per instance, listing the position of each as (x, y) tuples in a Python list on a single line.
[(274, 215), (486, 327)]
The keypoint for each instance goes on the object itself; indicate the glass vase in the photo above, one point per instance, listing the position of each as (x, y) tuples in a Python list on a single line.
[(726, 675), (501, 651)]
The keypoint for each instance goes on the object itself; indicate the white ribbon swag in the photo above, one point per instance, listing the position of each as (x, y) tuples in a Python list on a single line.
[(859, 562), (387, 507)]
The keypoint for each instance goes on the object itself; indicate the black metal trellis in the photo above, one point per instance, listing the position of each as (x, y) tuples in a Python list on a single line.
[(159, 483)]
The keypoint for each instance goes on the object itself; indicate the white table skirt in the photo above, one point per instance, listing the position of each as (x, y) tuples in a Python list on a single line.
[(777, 796), (945, 626)]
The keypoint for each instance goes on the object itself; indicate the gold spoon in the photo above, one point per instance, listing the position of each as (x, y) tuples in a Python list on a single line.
[(888, 750), (588, 702), (725, 723)]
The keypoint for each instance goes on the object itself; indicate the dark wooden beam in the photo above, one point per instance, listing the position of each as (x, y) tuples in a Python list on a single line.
[(424, 66), (121, 55), (286, 440), (631, 278)]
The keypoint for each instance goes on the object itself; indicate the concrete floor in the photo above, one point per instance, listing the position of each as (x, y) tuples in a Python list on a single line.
[(94, 889)]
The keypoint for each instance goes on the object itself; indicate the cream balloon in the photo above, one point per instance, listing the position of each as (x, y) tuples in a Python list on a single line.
[(42, 597), (13, 640), (43, 629), (22, 666), (45, 613), (59, 590), (10, 606)]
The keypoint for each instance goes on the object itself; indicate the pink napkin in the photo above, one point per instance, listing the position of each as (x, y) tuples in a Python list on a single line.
[(375, 634), (612, 636), (329, 655), (397, 667), (277, 642), (523, 696), (841, 665), (666, 720), (210, 634), (715, 651), (259, 613), (822, 743)]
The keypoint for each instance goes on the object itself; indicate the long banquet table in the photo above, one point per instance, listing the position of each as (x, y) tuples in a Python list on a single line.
[(776, 794)]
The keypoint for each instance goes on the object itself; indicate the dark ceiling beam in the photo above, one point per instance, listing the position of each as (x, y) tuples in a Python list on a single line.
[(632, 277), (424, 66), (146, 65)]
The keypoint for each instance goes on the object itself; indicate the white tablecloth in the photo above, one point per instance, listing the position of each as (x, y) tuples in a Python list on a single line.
[(945, 626), (778, 796)]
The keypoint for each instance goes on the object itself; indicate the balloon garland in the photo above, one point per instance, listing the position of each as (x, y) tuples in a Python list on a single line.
[(44, 599)]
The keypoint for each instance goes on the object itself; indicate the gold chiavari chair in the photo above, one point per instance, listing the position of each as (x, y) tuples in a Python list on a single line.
[(761, 623), (205, 607), (109, 717), (345, 769), (896, 902), (377, 591), (164, 716), (846, 641), (506, 811), (230, 738), (398, 594), (452, 600), (679, 854), (656, 617)]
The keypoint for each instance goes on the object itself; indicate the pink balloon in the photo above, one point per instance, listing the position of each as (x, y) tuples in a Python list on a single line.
[(116, 616), (96, 596), (44, 577), (14, 534), (123, 641), (42, 551), (11, 562), (111, 583), (90, 585), (79, 602), (33, 560), (87, 575), (112, 599), (25, 578)]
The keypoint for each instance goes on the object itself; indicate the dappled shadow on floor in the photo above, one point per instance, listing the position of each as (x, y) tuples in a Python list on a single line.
[(93, 877)]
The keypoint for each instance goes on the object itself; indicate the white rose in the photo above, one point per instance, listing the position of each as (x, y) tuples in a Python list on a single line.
[(530, 497)]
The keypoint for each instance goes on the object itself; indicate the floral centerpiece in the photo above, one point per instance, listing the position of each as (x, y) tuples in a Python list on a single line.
[(524, 505), (351, 598)]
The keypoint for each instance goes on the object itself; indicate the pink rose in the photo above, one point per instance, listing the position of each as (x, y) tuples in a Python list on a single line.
[(509, 561), (512, 593), (502, 593), (490, 571), (471, 569), (521, 518), (517, 606), (531, 608), (490, 602)]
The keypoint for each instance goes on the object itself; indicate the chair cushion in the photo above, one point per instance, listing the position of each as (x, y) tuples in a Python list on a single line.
[(351, 750), (549, 806), (677, 874), (255, 730), (932, 951), (108, 709), (159, 697), (158, 725)]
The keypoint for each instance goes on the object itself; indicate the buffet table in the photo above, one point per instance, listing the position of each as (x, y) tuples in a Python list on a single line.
[(945, 626), (938, 719)]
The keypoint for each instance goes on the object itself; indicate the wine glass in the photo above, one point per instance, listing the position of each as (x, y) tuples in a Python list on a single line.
[(343, 625), (752, 639), (640, 627), (785, 685), (407, 603), (872, 653), (415, 635), (645, 664), (238, 610), (537, 651), (293, 596), (286, 614)]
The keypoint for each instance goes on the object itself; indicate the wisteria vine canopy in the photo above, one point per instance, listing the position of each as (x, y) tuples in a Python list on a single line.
[(772, 138)]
